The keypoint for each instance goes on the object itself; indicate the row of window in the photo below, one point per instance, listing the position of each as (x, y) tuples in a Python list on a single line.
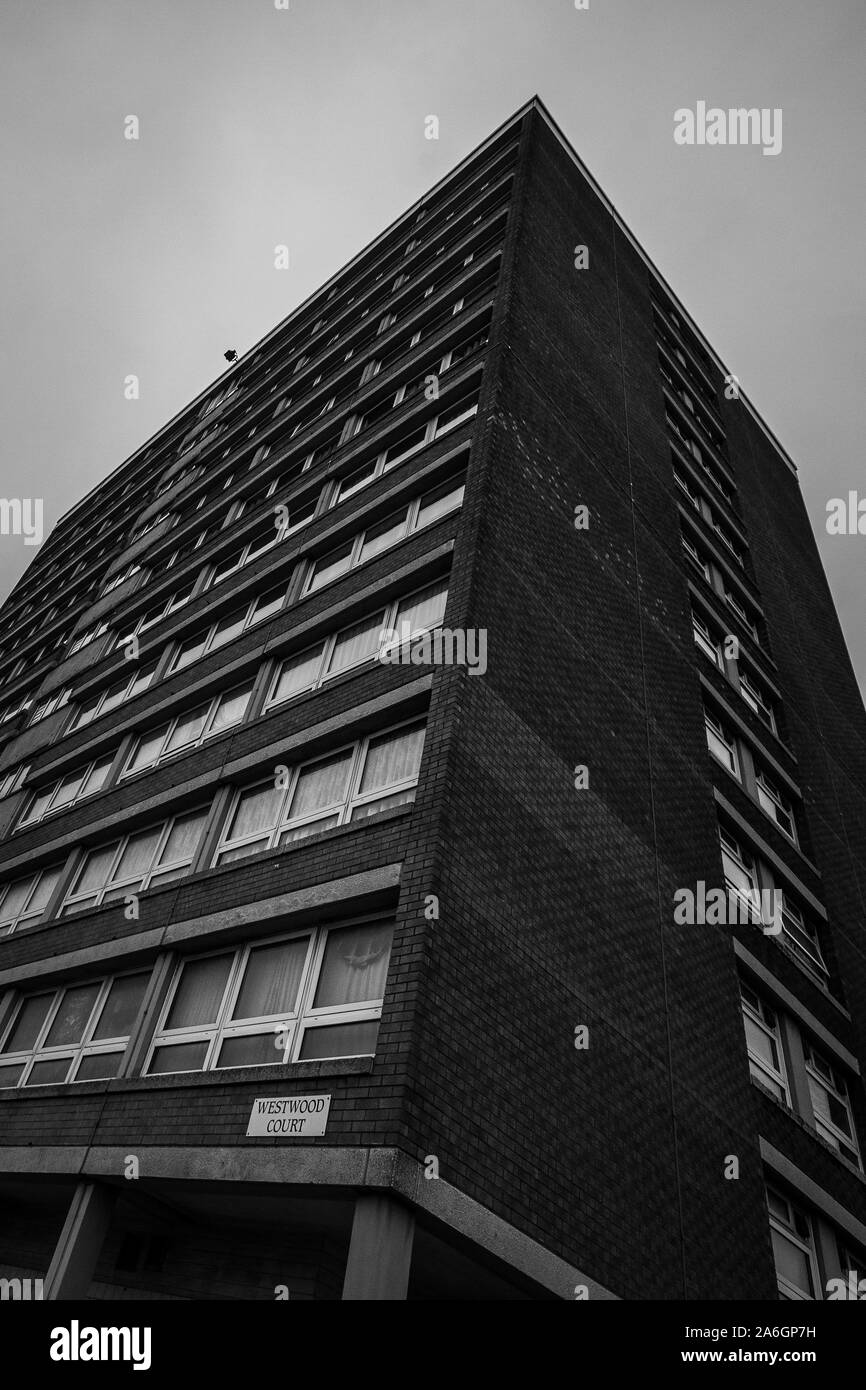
[(736, 754), (410, 518), (721, 583), (809, 1252), (305, 995), (710, 639), (111, 522), (747, 876), (363, 778), (331, 656), (799, 1073)]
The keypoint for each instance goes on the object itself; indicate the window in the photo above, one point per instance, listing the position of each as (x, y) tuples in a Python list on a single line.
[(741, 611), (315, 994), (383, 534), (11, 781), (66, 791), (764, 1044), (831, 1106), (709, 644), (755, 697), (801, 936), (76, 1033), (120, 578), (721, 742), (776, 804), (741, 874), (227, 628), (358, 643), (372, 775), (793, 1248), (687, 487), (49, 705), (188, 729), (159, 610), (728, 541), (23, 901), (283, 521), (141, 860), (113, 695)]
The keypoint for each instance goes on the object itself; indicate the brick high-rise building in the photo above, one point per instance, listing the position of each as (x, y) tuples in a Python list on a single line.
[(250, 856)]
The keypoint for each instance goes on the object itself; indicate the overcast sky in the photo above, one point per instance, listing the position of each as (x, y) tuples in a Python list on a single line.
[(305, 127)]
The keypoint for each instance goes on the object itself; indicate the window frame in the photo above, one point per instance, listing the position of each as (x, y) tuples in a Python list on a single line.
[(139, 882)]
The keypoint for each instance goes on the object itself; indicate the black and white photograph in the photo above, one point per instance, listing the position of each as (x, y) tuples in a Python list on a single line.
[(432, 643)]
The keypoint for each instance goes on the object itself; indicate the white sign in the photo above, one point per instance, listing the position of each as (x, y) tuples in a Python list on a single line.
[(279, 1116)]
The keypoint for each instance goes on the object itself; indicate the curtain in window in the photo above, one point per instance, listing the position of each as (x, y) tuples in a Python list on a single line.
[(356, 643), (96, 867), (425, 610), (298, 674), (200, 992), (321, 785), (355, 965), (392, 758), (72, 1017), (230, 709), (97, 776), (792, 1263), (379, 537), (271, 980), (229, 628), (187, 728), (137, 855), (183, 839), (330, 566), (256, 812), (149, 748), (44, 888)]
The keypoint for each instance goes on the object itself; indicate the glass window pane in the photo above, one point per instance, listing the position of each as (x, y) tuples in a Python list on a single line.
[(761, 1045), (183, 1057), (30, 1019), (187, 728), (792, 1263), (268, 604), (137, 855), (382, 803), (73, 1015), (356, 643), (16, 896), (38, 806), (255, 1050), (354, 966), (437, 503), (298, 673), (424, 610), (353, 481), (68, 789), (121, 1006), (320, 785), (10, 1075), (189, 651), (99, 1066), (271, 980), (340, 1040), (96, 777), (230, 710), (148, 749), (256, 812), (310, 827), (114, 695), (378, 538), (42, 892), (141, 681), (43, 1073), (392, 758), (330, 567), (200, 992), (182, 839), (228, 628), (96, 867)]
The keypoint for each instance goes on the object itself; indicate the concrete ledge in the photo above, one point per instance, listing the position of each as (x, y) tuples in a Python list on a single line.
[(378, 1169), (799, 1180), (314, 898)]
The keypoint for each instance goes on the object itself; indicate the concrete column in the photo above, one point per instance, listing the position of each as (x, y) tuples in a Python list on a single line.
[(77, 1250), (380, 1251)]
